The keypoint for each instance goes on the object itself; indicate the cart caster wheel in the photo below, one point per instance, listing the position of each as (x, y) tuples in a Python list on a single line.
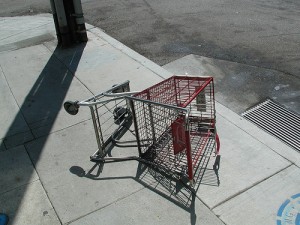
[(120, 114), (216, 166), (192, 183), (218, 144), (71, 107)]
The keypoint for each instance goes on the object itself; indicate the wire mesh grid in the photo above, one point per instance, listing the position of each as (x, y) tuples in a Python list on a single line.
[(174, 123), (177, 191), (108, 116), (162, 129)]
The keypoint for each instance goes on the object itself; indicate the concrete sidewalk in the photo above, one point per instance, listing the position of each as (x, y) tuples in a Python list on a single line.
[(47, 178)]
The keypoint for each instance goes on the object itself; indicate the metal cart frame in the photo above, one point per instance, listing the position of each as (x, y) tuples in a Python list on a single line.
[(174, 122)]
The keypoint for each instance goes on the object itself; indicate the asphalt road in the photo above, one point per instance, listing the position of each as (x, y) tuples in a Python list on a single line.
[(263, 33), (260, 33)]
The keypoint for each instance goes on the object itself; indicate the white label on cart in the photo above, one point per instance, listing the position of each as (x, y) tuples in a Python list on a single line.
[(201, 101)]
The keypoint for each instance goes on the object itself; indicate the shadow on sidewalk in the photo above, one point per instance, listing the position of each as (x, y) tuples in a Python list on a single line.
[(40, 110), (175, 191)]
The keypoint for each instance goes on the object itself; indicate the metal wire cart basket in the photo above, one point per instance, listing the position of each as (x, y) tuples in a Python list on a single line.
[(174, 122)]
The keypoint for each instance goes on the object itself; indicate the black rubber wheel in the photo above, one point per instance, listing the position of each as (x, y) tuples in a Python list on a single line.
[(71, 107), (120, 113), (216, 166)]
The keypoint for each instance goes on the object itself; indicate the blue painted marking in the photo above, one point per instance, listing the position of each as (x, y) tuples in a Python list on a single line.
[(297, 222), (3, 219), (279, 213), (288, 212), (296, 196)]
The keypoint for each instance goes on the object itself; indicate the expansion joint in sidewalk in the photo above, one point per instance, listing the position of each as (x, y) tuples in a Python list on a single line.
[(66, 66), (20, 111), (22, 185), (25, 31), (42, 184), (117, 200), (248, 188), (256, 138)]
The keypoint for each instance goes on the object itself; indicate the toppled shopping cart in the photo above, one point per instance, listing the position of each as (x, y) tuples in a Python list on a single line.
[(174, 122)]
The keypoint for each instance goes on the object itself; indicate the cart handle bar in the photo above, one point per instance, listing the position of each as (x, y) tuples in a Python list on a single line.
[(72, 107), (116, 95), (115, 87)]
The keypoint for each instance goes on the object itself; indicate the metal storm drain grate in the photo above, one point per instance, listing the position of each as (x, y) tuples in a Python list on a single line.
[(276, 120)]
